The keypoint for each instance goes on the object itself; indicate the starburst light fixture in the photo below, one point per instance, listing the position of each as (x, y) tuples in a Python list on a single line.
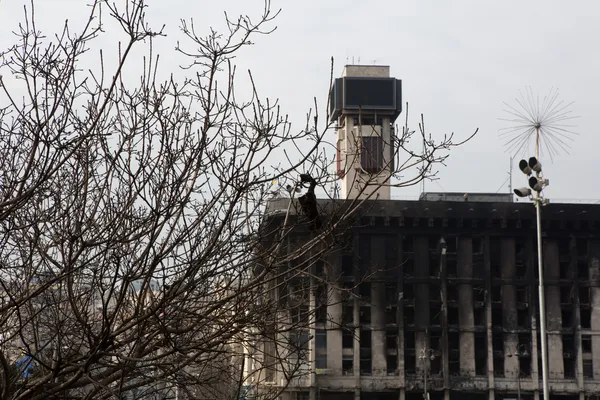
[(546, 123)]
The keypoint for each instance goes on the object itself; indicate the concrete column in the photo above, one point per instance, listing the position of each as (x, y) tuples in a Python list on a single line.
[(465, 307), (402, 394), (488, 317), (421, 254), (356, 309), (334, 315), (553, 312), (509, 308), (378, 319), (400, 320), (594, 265)]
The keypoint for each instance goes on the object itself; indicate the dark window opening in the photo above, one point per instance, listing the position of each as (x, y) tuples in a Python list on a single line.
[(365, 315), (522, 295), (409, 340), (392, 364), (564, 270), (348, 365), (391, 340), (523, 318), (588, 369), (495, 270), (569, 365), (364, 291), (586, 343), (408, 267), (409, 293), (347, 266), (390, 315), (481, 349), (409, 316), (582, 247), (497, 294), (521, 269), (498, 342), (365, 365), (525, 366), (479, 294), (453, 340), (436, 365), (391, 293), (407, 244), (347, 339), (499, 367), (365, 339), (391, 249), (435, 312), (497, 317), (321, 348), (371, 157), (410, 364), (564, 246), (365, 352), (479, 316), (477, 244), (565, 295), (451, 268), (347, 313), (454, 362), (584, 295), (583, 272), (321, 313), (568, 346), (567, 318), (452, 316), (452, 293), (586, 318)]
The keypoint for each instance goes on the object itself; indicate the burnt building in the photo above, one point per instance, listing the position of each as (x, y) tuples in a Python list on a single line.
[(437, 296), (440, 296)]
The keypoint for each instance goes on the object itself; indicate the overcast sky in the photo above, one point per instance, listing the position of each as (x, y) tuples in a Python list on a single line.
[(458, 60)]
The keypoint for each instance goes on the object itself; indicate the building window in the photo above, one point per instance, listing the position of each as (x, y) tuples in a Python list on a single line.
[(481, 349), (321, 349), (299, 342), (302, 396), (392, 364), (348, 365), (269, 360), (586, 344), (365, 352), (371, 157), (588, 369), (347, 339)]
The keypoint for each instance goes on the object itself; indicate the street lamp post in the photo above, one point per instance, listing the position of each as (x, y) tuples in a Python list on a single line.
[(425, 354), (537, 184)]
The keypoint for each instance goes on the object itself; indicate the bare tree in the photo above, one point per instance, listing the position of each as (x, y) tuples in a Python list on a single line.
[(132, 256)]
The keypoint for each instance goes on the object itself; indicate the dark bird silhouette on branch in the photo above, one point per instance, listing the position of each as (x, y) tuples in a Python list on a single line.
[(308, 202)]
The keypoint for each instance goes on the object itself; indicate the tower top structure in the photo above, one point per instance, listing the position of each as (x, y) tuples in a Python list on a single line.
[(365, 102)]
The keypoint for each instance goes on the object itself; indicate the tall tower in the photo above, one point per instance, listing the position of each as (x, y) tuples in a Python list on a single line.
[(365, 102)]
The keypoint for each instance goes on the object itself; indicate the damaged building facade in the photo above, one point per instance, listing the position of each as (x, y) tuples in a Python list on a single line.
[(441, 297), (435, 297)]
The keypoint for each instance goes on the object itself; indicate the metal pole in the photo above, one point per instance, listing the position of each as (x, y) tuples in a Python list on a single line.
[(538, 208)]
